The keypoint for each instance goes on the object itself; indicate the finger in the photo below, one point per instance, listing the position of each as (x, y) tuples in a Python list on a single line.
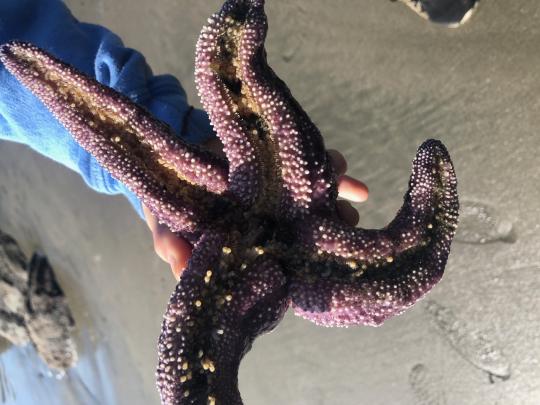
[(174, 250), (157, 230), (338, 162), (347, 212), (168, 246), (178, 251), (151, 220), (352, 189)]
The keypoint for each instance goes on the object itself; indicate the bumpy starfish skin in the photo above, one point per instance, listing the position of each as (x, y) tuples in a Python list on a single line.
[(264, 227), (263, 127), (389, 269), (132, 145)]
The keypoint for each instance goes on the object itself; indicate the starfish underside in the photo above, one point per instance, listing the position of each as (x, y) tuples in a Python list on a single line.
[(263, 221)]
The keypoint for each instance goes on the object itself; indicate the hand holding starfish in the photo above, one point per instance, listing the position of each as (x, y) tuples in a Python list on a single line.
[(263, 219), (175, 250)]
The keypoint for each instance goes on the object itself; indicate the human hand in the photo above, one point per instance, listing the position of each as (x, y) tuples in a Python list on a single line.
[(176, 251)]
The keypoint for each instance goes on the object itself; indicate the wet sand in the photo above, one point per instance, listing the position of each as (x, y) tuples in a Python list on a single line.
[(378, 80)]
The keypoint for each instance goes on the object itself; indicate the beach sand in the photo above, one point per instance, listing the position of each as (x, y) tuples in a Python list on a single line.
[(377, 80)]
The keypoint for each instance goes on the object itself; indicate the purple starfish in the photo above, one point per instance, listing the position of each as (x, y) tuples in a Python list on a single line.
[(263, 222)]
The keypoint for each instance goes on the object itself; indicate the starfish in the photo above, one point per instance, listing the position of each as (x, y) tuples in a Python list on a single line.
[(262, 221)]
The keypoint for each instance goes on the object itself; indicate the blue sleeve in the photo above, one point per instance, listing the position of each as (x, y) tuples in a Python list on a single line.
[(100, 54)]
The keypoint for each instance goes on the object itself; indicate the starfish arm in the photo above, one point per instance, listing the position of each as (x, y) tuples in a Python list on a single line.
[(366, 276), (178, 182), (301, 161), (218, 86), (212, 319), (63, 89)]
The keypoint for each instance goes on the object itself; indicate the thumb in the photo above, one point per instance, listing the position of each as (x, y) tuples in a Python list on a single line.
[(170, 247)]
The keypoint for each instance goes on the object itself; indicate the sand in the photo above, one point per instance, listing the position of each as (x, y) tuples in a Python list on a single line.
[(378, 80)]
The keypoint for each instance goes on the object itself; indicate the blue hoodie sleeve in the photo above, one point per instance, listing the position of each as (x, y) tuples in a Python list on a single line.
[(99, 53)]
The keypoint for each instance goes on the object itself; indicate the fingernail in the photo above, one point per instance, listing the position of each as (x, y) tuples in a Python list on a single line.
[(352, 189)]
